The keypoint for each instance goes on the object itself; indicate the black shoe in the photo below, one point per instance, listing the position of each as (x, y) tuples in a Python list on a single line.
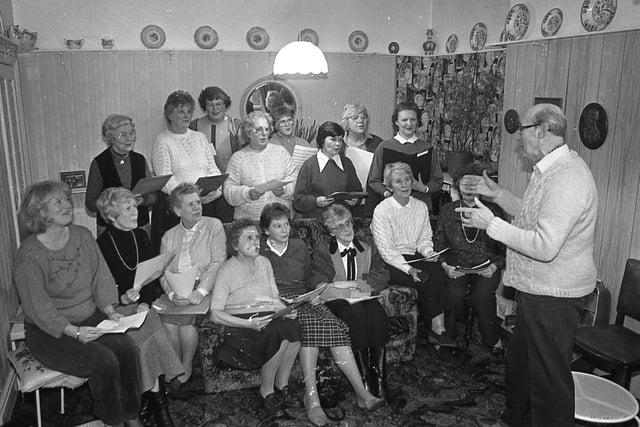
[(288, 397), (443, 339), (146, 412), (273, 405), (160, 408)]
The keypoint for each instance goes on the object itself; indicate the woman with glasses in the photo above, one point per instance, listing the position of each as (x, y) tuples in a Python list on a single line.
[(184, 153), (347, 259), (284, 127), (355, 121), (256, 164), (291, 264), (118, 166), (325, 173)]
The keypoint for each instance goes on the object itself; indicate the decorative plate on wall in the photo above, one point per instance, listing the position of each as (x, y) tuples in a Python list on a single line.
[(597, 14), (308, 35), (257, 38), (517, 22), (393, 48), (206, 37), (511, 121), (478, 36), (593, 126), (551, 22), (153, 36), (358, 41), (452, 43)]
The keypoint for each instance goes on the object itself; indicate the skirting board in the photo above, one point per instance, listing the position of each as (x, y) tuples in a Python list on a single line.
[(8, 398)]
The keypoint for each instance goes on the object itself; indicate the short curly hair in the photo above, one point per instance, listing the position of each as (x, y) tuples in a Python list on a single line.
[(111, 200), (390, 168), (332, 214), (176, 99), (235, 231), (248, 125), (182, 190), (113, 122), (33, 216), (273, 211), (211, 93), (352, 110)]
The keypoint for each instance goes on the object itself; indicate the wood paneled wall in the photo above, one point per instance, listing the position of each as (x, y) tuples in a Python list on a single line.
[(67, 95), (603, 69)]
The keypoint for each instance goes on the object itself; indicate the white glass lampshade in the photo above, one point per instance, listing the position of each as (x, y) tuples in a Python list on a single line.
[(300, 58)]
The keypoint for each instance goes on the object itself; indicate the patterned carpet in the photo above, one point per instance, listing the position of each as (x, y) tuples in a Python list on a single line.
[(460, 388)]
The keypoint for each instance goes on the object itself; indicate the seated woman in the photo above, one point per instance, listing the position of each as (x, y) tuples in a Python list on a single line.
[(320, 328), (118, 166), (470, 247), (325, 173), (347, 259), (244, 296), (199, 242), (402, 233), (124, 246), (66, 289), (284, 128), (257, 163)]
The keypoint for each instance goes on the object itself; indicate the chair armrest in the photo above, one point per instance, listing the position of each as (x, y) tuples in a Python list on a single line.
[(399, 300)]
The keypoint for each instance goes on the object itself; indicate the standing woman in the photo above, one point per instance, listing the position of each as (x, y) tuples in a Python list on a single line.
[(256, 163), (355, 121), (221, 131), (199, 242), (284, 128), (184, 153), (346, 258), (405, 120), (118, 166), (124, 246), (325, 173), (66, 289)]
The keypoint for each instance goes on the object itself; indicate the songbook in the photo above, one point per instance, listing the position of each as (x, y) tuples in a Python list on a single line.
[(301, 154), (348, 291), (361, 160), (420, 162), (182, 283), (271, 185), (151, 184), (339, 196), (475, 268), (211, 183), (112, 327), (299, 300), (164, 305), (149, 270), (429, 258)]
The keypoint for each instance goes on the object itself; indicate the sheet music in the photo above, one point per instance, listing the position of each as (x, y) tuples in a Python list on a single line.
[(126, 322), (271, 185), (149, 270), (182, 283), (301, 154)]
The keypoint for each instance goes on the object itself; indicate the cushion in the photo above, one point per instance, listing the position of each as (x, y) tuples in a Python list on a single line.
[(33, 375)]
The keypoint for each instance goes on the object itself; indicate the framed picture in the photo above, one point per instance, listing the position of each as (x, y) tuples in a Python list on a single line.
[(76, 180), (554, 101)]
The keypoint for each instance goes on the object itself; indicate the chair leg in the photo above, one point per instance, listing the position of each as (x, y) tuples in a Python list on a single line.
[(62, 400), (38, 408)]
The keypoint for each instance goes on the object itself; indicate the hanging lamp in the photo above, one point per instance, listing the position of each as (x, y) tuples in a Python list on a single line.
[(300, 59)]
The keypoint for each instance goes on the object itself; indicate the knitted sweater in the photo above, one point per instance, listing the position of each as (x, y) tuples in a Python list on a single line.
[(187, 156), (550, 241), (401, 230), (65, 286), (238, 291), (249, 168), (207, 250), (291, 270)]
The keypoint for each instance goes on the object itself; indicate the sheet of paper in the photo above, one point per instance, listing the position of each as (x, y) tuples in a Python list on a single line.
[(475, 268), (361, 160), (133, 321), (165, 306), (182, 283), (271, 185), (300, 154), (151, 269), (149, 185), (429, 258)]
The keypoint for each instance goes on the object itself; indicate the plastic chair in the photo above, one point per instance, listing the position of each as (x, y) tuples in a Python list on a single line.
[(599, 400), (615, 348)]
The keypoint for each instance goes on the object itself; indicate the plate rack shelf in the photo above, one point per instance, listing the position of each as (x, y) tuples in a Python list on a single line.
[(10, 49)]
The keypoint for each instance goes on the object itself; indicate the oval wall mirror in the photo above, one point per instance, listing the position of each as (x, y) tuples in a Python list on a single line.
[(266, 93)]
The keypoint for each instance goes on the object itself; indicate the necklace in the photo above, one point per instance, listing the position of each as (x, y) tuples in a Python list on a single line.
[(120, 256), (121, 159), (465, 233)]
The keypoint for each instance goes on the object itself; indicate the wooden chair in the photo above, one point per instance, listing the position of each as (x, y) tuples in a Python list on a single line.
[(615, 348)]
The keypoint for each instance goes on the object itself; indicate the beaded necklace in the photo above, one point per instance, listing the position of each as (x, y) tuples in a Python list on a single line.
[(120, 256), (465, 233)]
